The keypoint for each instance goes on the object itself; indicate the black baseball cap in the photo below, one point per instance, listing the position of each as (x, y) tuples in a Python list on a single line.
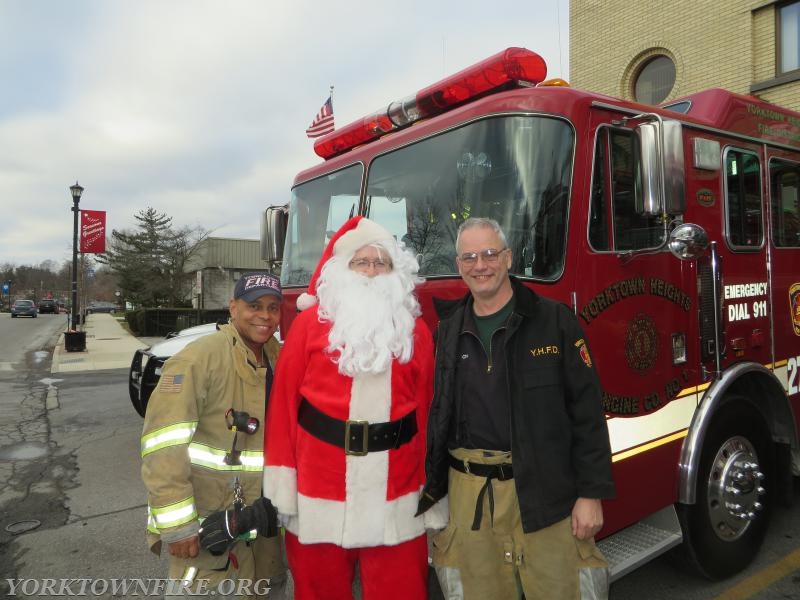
[(251, 286)]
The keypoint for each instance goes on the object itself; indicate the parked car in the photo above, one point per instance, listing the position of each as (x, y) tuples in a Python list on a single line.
[(147, 362), (102, 307), (48, 305), (24, 308)]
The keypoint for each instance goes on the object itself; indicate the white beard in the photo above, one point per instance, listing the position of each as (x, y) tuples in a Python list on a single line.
[(372, 317)]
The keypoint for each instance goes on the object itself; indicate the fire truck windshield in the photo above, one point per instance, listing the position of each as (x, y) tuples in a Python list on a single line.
[(513, 168)]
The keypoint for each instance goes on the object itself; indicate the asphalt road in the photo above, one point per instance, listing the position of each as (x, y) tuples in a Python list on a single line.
[(69, 471), (71, 499), (773, 575)]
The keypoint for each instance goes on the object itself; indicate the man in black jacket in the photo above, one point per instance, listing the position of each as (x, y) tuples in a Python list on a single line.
[(517, 438)]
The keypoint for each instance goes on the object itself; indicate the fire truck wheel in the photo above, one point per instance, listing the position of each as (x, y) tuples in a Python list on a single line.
[(724, 529)]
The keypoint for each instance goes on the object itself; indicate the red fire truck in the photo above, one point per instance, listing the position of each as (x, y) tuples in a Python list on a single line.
[(672, 231)]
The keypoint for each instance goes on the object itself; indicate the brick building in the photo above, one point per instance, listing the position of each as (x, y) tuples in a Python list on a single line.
[(656, 51)]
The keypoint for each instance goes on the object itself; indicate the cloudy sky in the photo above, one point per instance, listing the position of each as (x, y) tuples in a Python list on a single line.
[(198, 108)]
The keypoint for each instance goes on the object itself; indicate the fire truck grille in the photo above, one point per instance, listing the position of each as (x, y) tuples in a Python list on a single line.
[(706, 304)]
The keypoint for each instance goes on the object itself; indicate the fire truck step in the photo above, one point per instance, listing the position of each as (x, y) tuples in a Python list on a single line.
[(635, 545)]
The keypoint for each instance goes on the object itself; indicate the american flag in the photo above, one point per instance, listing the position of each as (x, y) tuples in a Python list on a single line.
[(323, 122), (171, 384)]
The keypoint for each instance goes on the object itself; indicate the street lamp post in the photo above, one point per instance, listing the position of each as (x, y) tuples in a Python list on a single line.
[(76, 191)]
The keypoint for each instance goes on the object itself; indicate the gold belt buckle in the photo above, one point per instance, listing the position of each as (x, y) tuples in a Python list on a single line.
[(364, 441)]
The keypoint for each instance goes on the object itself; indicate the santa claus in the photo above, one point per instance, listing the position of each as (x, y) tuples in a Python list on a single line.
[(345, 427)]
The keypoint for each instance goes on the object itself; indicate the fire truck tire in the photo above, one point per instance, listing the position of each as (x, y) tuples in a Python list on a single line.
[(724, 529)]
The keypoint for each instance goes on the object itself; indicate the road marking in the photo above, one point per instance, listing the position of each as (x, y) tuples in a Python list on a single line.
[(762, 579)]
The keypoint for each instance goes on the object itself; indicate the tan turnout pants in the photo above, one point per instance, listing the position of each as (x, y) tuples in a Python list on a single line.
[(499, 560), (257, 571)]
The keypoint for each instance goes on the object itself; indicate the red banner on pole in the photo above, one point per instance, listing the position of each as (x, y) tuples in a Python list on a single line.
[(93, 231)]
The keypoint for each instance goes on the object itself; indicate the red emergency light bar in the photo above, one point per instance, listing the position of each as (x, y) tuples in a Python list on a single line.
[(510, 65)]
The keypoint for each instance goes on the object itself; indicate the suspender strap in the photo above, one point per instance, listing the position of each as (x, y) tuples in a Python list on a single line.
[(503, 472)]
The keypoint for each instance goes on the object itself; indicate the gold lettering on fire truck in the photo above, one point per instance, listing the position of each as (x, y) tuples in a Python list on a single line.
[(776, 123), (611, 295), (620, 405), (669, 291), (636, 286), (631, 406)]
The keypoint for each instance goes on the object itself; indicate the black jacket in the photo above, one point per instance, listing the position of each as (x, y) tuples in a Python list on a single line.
[(559, 438)]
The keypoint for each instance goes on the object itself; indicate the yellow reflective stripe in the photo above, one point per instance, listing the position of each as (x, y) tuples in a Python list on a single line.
[(214, 458), (151, 522), (188, 576), (173, 515), (171, 435)]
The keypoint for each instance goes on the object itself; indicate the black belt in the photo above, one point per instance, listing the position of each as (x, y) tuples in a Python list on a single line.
[(356, 437), (503, 472)]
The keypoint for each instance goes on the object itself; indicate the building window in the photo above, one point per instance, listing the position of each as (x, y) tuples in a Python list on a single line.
[(655, 81), (789, 16)]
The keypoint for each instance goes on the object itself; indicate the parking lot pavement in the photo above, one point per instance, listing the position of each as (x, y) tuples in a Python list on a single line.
[(108, 346)]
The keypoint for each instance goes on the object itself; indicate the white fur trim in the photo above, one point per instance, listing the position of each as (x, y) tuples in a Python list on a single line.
[(367, 476), (280, 486), (321, 521), (371, 397), (437, 516), (305, 301), (365, 232)]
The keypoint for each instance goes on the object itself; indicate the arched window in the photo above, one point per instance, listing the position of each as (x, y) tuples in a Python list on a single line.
[(655, 81)]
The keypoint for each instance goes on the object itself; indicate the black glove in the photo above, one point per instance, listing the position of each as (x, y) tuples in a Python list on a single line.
[(262, 517), (221, 529)]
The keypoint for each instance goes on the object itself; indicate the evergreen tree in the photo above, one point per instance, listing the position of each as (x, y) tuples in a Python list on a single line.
[(149, 260)]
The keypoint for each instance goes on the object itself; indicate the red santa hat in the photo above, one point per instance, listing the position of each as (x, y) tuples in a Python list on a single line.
[(356, 233)]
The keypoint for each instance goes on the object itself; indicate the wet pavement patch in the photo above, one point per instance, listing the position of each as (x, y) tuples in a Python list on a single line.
[(23, 451), (22, 526)]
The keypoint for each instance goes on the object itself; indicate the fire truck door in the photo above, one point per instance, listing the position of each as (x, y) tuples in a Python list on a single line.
[(745, 280), (638, 307), (784, 228)]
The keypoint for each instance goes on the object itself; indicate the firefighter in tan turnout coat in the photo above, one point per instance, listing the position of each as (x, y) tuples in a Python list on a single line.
[(202, 445)]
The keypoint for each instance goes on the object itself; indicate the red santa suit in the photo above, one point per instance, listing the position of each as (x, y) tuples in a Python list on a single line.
[(330, 500), (323, 494)]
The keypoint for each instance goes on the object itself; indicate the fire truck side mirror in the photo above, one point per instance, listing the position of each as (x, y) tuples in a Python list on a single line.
[(688, 241), (659, 148), (274, 224)]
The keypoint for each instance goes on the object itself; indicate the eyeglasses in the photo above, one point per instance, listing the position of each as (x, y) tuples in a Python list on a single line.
[(489, 256), (362, 264)]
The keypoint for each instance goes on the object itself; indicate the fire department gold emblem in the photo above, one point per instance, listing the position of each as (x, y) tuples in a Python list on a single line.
[(641, 343), (794, 305)]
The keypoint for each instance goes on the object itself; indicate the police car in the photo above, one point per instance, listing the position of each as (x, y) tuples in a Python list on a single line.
[(147, 362)]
